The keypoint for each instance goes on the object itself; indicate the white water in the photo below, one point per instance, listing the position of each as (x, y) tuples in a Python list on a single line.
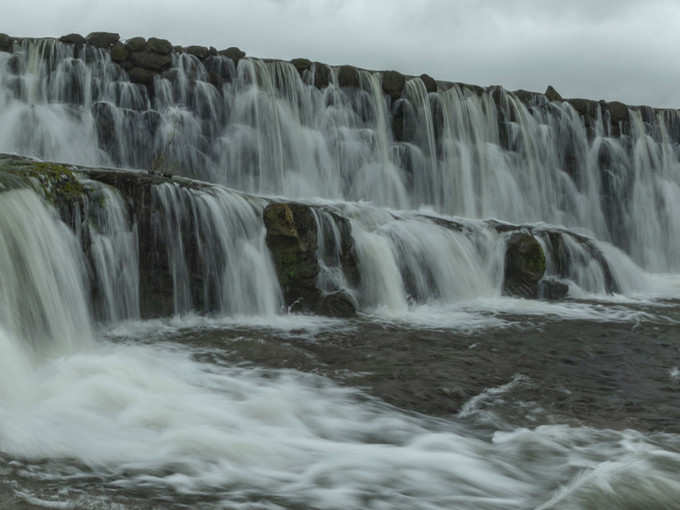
[(153, 416), (268, 130)]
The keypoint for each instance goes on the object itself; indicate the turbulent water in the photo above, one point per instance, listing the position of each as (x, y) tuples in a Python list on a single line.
[(442, 393)]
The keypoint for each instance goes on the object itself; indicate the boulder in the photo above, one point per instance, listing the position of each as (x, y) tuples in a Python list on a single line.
[(233, 53), (140, 75), (301, 64), (338, 304), (72, 39), (552, 289), (322, 75), (618, 112), (524, 266), (150, 60), (198, 51), (119, 52), (393, 84), (136, 44), (160, 46), (551, 94), (348, 76), (430, 83), (291, 238), (102, 39), (5, 42)]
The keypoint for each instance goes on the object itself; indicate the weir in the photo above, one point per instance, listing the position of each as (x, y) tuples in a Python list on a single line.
[(156, 246), (271, 127), (174, 220)]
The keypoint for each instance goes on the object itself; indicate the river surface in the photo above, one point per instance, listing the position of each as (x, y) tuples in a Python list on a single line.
[(503, 403)]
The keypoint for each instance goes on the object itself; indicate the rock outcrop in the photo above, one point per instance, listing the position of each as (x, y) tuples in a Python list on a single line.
[(295, 237), (292, 238), (524, 265)]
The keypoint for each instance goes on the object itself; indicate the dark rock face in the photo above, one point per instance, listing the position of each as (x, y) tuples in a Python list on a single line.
[(524, 266), (5, 42), (142, 76), (119, 52), (233, 53), (160, 46), (322, 75), (293, 242), (72, 39), (198, 51), (102, 39), (150, 60), (136, 44), (552, 289), (393, 84), (338, 304), (348, 76), (430, 83), (618, 111), (301, 64), (552, 94), (291, 238)]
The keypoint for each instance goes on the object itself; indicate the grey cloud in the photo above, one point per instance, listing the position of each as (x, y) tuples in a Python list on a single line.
[(599, 49)]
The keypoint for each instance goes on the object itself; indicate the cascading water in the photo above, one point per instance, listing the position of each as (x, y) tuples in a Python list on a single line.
[(43, 287), (180, 412), (215, 251), (263, 128)]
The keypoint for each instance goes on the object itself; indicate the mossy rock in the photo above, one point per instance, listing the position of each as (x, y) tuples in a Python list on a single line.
[(429, 82), (348, 76), (160, 46), (393, 84), (72, 39), (103, 39), (136, 44), (524, 265), (119, 52), (5, 42)]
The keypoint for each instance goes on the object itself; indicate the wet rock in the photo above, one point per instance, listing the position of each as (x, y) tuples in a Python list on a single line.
[(430, 83), (524, 265), (140, 75), (5, 42), (585, 107), (393, 84), (160, 46), (150, 60), (301, 64), (322, 75), (102, 39), (233, 53), (552, 290), (291, 238), (14, 64), (348, 76), (198, 51), (338, 304), (551, 94), (119, 52), (72, 39), (136, 44), (618, 111)]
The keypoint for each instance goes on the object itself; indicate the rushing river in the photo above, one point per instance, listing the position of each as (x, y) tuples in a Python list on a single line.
[(441, 394)]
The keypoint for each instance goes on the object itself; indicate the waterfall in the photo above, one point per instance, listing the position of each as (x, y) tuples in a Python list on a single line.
[(215, 251), (43, 293), (114, 253), (264, 127)]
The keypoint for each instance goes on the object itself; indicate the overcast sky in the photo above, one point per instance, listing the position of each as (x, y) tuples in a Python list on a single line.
[(599, 49)]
